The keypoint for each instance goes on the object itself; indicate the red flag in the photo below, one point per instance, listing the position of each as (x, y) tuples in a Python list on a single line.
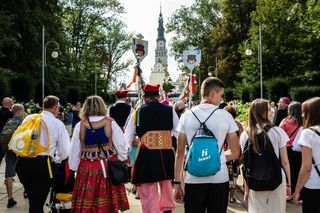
[(134, 79)]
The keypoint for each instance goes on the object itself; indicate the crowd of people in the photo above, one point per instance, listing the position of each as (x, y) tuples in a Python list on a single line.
[(155, 137)]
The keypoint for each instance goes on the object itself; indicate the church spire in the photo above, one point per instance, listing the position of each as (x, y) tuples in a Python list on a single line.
[(160, 27)]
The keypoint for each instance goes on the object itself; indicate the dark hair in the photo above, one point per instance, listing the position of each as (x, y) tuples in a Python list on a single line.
[(50, 101), (210, 84), (295, 112), (151, 98), (311, 112)]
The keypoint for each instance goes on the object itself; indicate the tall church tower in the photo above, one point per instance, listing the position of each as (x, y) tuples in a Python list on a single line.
[(160, 69)]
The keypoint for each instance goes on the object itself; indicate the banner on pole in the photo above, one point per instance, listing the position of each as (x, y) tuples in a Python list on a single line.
[(139, 48), (191, 57)]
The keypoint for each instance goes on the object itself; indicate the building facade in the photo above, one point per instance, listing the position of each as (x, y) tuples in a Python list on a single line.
[(160, 70)]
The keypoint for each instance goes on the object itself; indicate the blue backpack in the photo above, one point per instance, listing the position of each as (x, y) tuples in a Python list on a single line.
[(203, 158)]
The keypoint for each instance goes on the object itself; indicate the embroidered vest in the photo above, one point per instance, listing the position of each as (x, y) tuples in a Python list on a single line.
[(89, 147)]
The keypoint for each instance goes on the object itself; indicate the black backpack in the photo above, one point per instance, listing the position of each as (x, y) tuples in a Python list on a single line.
[(262, 171)]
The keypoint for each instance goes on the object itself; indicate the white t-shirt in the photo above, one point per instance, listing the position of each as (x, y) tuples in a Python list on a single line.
[(220, 123), (277, 136), (310, 139)]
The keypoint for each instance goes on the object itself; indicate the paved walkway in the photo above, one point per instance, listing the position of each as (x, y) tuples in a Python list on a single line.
[(135, 206)]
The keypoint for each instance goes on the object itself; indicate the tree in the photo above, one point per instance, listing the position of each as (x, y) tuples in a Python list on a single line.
[(192, 26), (228, 35), (167, 85), (288, 48)]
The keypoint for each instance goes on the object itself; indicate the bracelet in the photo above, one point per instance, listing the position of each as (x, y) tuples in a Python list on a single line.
[(177, 182), (288, 185)]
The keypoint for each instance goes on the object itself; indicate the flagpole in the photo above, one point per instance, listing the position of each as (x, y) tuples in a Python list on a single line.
[(190, 88)]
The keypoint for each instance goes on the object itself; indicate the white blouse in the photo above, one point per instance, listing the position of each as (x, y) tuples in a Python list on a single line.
[(117, 140)]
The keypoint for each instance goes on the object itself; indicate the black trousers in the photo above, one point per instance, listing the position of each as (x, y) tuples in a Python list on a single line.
[(34, 175), (310, 198), (295, 165), (209, 197)]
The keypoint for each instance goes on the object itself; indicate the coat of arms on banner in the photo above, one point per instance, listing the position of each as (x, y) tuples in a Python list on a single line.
[(191, 57), (139, 48)]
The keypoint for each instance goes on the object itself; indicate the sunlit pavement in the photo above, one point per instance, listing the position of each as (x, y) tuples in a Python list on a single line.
[(135, 206)]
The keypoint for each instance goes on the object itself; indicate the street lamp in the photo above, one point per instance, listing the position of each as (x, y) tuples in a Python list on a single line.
[(249, 52), (54, 54)]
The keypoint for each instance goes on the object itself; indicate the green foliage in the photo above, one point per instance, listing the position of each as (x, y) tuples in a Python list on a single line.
[(289, 48), (73, 95), (228, 94), (303, 93), (192, 26), (244, 93), (167, 85), (228, 35), (21, 88), (277, 88), (32, 107), (4, 88), (242, 111)]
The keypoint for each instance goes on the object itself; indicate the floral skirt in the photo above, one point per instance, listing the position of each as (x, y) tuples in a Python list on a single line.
[(94, 193)]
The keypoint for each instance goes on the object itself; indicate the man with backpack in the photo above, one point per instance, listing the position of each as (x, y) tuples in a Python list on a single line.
[(11, 158), (203, 129), (48, 144)]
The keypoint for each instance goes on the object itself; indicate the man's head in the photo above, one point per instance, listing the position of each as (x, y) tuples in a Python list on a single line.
[(122, 94), (151, 92), (51, 104), (212, 90), (17, 110), (283, 102), (7, 102)]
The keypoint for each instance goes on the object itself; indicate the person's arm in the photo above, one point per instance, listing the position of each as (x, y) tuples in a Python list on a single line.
[(119, 142), (233, 142), (286, 166), (175, 120), (178, 168), (129, 131), (64, 142), (75, 151), (306, 167)]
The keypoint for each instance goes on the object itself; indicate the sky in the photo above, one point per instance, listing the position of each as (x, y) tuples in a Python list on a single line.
[(142, 17)]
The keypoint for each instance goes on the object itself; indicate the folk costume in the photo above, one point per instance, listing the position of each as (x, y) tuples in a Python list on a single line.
[(120, 110), (93, 190), (154, 162)]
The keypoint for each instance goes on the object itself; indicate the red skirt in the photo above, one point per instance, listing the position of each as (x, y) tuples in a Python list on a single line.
[(94, 193)]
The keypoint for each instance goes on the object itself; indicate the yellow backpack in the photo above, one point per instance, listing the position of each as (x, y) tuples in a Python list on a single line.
[(25, 141)]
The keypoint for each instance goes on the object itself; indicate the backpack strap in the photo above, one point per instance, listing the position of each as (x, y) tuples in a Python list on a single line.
[(201, 123), (313, 162), (204, 124)]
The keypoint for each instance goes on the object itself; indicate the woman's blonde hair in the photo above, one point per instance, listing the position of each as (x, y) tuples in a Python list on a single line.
[(94, 105), (258, 117)]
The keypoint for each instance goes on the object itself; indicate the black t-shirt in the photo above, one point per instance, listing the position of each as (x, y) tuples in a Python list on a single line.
[(5, 114)]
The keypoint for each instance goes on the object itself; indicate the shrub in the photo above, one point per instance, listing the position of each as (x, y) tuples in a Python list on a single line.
[(245, 94), (21, 88), (303, 93), (73, 95), (228, 94), (277, 88), (4, 88)]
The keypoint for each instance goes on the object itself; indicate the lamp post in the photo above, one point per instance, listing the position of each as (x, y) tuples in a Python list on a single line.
[(54, 54), (209, 72), (249, 52)]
